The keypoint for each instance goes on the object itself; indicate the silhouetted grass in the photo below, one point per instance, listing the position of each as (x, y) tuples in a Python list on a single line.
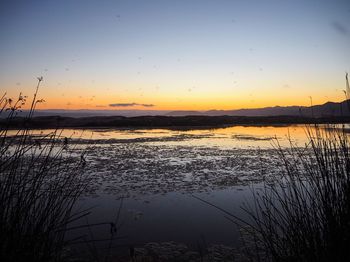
[(305, 215), (39, 184)]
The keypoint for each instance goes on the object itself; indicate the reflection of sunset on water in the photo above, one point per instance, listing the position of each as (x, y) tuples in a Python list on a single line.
[(227, 137)]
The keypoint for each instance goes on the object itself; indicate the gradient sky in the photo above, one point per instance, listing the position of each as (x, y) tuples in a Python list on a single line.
[(182, 54)]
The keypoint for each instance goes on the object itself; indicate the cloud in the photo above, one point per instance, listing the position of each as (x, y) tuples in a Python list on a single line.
[(147, 105), (122, 104), (341, 29), (130, 105)]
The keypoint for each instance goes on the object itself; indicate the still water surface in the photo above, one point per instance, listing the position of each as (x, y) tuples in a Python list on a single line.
[(152, 175), (156, 173)]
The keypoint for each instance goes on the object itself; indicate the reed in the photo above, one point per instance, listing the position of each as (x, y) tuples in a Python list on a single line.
[(40, 183), (305, 214)]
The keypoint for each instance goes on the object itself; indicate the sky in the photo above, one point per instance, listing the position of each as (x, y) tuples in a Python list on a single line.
[(175, 55)]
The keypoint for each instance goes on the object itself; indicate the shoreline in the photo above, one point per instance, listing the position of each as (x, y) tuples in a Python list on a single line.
[(164, 122)]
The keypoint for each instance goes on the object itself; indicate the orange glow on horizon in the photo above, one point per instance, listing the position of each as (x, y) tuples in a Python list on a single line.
[(201, 98)]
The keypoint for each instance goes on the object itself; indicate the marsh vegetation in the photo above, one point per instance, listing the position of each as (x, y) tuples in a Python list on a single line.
[(304, 214), (39, 186)]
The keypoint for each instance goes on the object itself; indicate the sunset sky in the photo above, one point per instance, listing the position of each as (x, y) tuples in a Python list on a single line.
[(171, 55)]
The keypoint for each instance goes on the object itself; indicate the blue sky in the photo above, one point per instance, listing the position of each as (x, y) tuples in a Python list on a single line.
[(176, 54)]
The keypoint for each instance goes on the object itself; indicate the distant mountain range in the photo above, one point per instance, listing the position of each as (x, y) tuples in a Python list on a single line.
[(325, 110), (328, 109)]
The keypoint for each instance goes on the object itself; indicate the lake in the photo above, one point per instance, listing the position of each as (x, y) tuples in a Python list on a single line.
[(148, 182)]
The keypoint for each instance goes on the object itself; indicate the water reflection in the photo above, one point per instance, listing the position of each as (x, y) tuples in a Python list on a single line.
[(157, 171), (235, 136)]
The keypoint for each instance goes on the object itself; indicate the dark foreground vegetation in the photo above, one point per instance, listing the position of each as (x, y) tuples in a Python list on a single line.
[(305, 216), (39, 185), (163, 121)]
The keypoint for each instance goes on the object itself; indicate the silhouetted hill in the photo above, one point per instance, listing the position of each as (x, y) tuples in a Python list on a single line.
[(91, 112), (325, 110), (174, 122), (186, 113)]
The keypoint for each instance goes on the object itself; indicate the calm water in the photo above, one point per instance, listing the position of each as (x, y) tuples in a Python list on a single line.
[(157, 172)]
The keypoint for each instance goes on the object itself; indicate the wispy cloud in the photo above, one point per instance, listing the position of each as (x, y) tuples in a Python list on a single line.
[(147, 105), (340, 28), (130, 105)]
